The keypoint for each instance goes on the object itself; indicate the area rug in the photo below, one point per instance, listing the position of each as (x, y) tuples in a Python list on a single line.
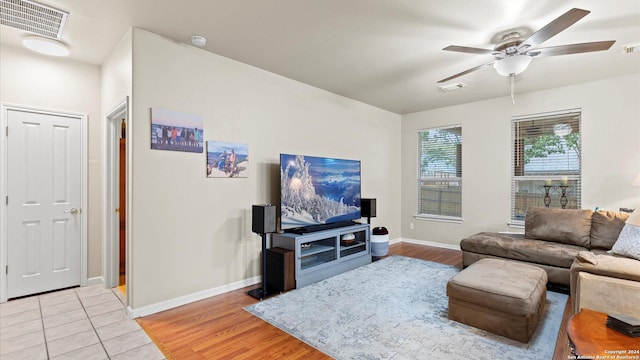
[(396, 308)]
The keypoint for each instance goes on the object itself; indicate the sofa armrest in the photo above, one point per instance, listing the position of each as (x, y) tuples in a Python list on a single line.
[(606, 294), (603, 265)]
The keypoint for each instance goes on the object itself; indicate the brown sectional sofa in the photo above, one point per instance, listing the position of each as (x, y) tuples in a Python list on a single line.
[(552, 240), (572, 247)]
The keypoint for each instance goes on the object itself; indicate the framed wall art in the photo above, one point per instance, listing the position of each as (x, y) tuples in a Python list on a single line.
[(225, 159), (176, 131)]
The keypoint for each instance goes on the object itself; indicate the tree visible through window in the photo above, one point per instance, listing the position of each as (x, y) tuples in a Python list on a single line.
[(440, 172), (546, 162)]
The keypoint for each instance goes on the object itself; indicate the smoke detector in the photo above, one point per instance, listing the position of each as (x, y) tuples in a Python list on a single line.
[(33, 17), (199, 41)]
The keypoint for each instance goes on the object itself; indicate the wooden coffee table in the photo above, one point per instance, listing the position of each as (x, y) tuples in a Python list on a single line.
[(590, 337)]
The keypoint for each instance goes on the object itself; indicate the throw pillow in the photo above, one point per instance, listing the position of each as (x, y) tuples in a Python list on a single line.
[(605, 228), (628, 243)]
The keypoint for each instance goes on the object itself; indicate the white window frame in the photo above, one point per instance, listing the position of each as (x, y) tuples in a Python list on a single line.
[(554, 179), (436, 217)]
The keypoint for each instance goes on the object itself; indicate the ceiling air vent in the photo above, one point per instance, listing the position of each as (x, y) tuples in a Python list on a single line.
[(33, 17), (631, 48), (452, 87)]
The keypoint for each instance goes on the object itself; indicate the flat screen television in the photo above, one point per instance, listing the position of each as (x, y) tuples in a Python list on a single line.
[(318, 192)]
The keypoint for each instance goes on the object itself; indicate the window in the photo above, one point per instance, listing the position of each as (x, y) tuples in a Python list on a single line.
[(546, 153), (440, 173)]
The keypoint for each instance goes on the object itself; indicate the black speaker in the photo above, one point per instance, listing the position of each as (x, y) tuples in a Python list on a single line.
[(368, 207), (263, 219)]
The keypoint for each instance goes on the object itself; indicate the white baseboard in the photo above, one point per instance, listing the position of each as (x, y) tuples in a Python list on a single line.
[(200, 295), (98, 280), (187, 299), (395, 241), (430, 243)]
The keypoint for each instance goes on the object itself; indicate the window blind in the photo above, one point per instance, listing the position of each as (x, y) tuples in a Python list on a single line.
[(546, 162), (440, 172)]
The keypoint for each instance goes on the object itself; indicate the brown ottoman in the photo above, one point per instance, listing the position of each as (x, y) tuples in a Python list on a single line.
[(499, 296)]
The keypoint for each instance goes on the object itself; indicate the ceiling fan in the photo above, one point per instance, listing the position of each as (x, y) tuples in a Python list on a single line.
[(514, 53)]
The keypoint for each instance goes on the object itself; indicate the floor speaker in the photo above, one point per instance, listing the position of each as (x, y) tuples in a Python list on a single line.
[(263, 219), (280, 269)]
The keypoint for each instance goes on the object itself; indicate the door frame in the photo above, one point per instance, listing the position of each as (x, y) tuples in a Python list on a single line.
[(4, 109), (111, 217)]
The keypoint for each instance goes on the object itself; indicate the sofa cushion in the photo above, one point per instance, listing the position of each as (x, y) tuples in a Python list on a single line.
[(555, 274), (570, 226), (607, 265), (605, 228), (517, 248)]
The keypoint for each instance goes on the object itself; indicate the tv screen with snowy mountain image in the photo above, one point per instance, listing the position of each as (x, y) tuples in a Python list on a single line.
[(317, 191)]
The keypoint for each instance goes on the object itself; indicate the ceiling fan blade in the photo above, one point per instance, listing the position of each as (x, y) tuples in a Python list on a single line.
[(571, 49), (553, 28), (469, 50), (466, 72)]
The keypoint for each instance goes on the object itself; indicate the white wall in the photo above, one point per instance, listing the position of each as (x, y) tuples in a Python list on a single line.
[(610, 148), (45, 82), (191, 233), (116, 81)]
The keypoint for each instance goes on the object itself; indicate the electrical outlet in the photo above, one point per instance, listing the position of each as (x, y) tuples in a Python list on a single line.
[(410, 226)]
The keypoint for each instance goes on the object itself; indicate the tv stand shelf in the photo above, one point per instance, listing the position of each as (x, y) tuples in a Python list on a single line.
[(321, 254)]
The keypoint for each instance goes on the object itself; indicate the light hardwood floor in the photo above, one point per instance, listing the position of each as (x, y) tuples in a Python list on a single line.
[(219, 328)]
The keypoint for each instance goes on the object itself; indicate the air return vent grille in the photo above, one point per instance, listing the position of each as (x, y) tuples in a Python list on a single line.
[(33, 17)]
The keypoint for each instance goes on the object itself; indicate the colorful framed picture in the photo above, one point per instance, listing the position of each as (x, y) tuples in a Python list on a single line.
[(225, 159), (176, 131)]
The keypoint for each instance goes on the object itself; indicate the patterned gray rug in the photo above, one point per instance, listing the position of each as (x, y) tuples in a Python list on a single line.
[(396, 308)]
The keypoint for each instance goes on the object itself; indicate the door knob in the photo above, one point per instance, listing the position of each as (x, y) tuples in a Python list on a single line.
[(73, 211)]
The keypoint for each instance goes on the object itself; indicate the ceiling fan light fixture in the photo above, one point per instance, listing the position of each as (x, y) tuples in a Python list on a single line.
[(512, 65)]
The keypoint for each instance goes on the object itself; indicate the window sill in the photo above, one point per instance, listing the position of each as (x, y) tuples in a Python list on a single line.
[(447, 219)]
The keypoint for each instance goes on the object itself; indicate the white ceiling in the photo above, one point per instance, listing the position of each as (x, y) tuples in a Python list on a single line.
[(386, 53)]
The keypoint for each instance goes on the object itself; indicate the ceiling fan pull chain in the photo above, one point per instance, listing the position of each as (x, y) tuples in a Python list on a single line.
[(512, 79)]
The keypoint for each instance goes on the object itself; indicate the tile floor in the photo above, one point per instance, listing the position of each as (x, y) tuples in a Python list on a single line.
[(81, 323)]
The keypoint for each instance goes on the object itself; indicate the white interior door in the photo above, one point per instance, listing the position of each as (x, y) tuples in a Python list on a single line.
[(44, 215)]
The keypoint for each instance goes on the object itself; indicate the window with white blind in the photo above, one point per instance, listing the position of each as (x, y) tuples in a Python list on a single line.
[(440, 173), (546, 159)]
